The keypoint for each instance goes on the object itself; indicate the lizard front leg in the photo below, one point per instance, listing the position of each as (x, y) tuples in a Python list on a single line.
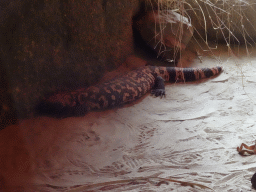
[(159, 88)]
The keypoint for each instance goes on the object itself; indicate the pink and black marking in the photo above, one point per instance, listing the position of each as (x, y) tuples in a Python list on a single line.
[(121, 90)]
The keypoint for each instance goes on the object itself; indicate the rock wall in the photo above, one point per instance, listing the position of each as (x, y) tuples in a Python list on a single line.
[(223, 20), (216, 21), (59, 45)]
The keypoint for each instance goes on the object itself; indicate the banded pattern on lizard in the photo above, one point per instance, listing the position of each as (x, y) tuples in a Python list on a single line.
[(120, 90)]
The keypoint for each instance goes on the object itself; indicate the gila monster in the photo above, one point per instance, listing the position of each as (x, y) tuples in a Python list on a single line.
[(120, 90)]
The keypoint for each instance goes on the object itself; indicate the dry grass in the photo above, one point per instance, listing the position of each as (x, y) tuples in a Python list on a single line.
[(216, 21)]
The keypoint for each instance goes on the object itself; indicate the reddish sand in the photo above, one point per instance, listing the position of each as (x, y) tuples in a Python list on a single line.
[(190, 136)]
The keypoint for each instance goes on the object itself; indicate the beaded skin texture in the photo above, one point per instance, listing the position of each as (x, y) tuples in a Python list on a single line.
[(120, 90)]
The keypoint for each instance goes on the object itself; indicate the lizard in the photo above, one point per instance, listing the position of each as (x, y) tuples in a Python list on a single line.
[(120, 90)]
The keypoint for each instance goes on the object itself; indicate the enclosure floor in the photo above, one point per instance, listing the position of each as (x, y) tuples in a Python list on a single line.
[(191, 135)]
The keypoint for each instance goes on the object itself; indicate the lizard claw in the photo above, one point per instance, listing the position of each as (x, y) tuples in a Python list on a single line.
[(158, 92)]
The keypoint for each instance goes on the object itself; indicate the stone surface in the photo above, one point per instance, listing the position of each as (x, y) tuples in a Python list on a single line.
[(60, 45), (166, 32)]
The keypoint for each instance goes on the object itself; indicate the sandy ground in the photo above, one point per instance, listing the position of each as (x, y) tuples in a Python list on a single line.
[(191, 135)]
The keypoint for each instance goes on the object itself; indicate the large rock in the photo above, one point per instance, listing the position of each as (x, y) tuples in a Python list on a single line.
[(166, 32), (59, 44)]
